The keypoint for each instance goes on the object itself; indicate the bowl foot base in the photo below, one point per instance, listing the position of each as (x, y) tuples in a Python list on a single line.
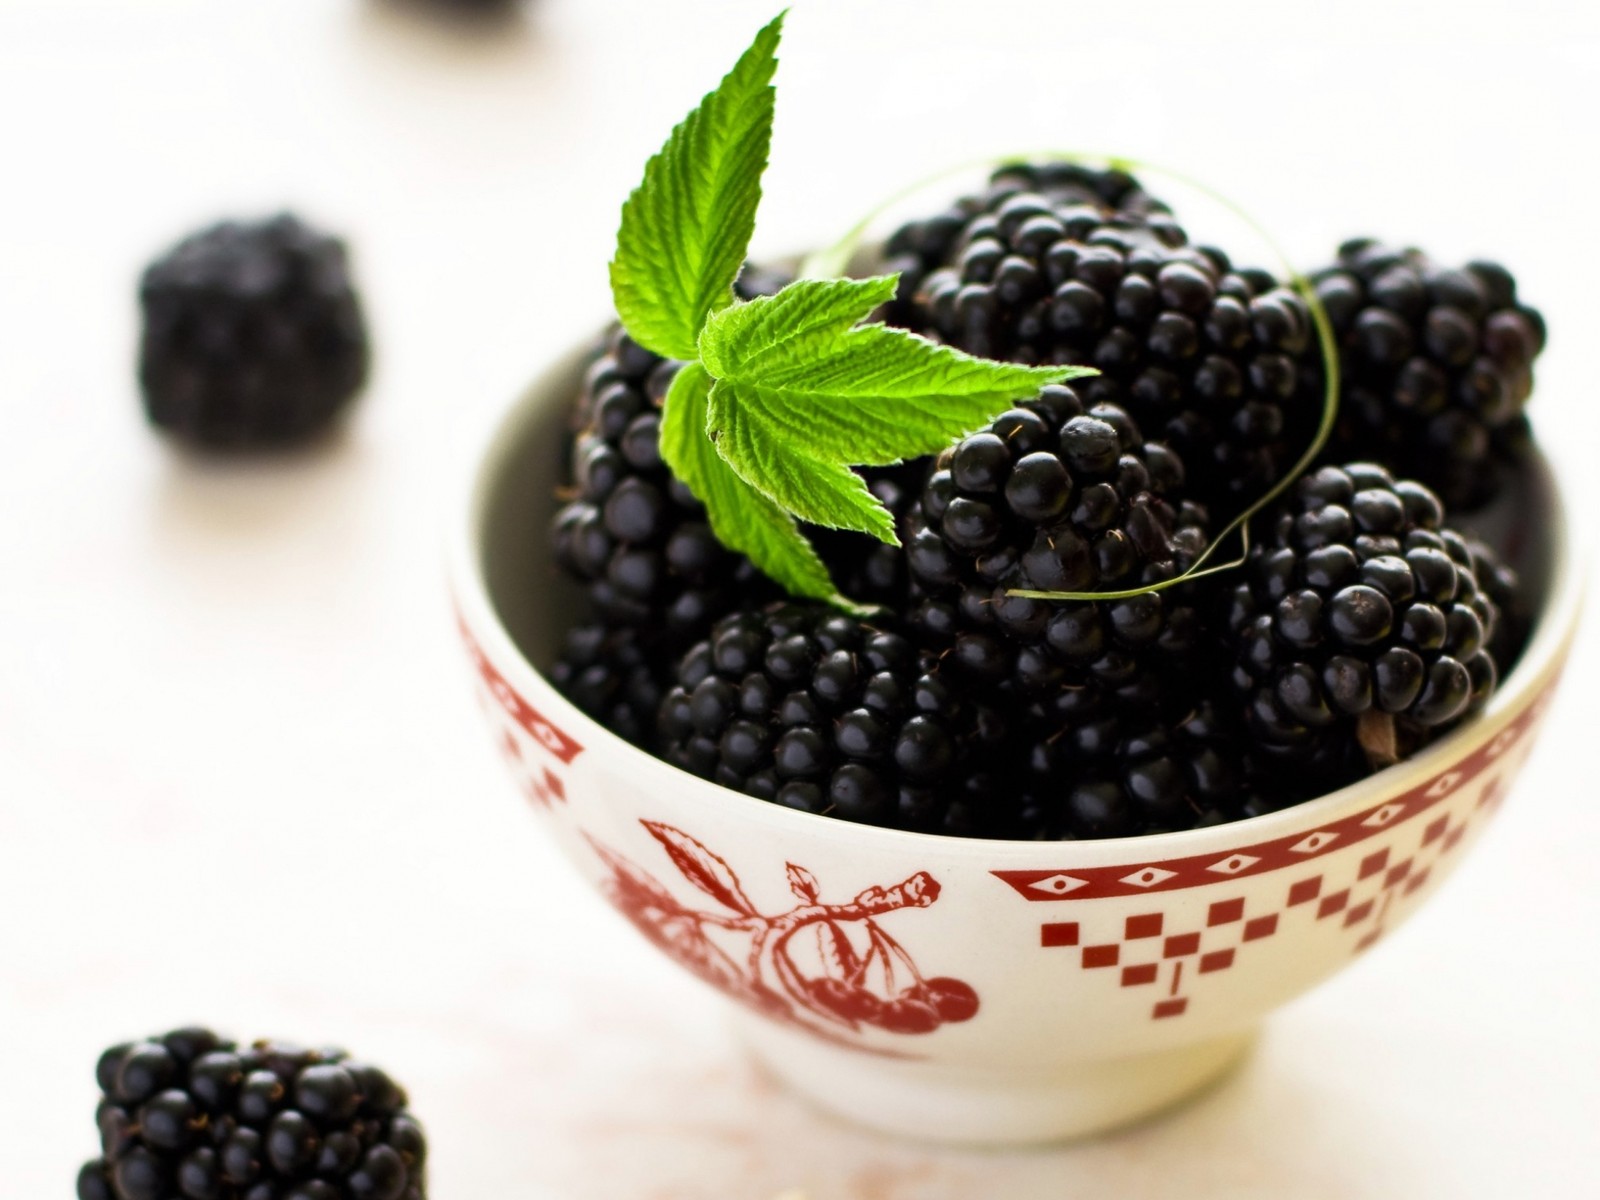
[(975, 1106)]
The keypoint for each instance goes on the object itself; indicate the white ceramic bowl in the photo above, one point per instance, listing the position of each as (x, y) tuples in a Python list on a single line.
[(1110, 978)]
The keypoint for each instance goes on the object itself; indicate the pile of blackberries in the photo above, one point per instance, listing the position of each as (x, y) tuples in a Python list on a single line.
[(1365, 623)]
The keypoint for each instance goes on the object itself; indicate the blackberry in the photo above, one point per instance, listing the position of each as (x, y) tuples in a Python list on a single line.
[(804, 707), (1055, 496), (253, 335), (1501, 584), (191, 1116), (631, 532), (1361, 619), (613, 675), (1436, 366), (923, 246), (1208, 358), (1097, 778)]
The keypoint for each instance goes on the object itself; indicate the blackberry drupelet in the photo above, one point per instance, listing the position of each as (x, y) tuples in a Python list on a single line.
[(1360, 620), (1056, 496), (191, 1117), (253, 335), (613, 675), (802, 706), (1210, 359), (1436, 365)]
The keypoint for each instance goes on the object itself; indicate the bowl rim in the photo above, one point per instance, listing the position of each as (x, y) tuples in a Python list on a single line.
[(484, 454)]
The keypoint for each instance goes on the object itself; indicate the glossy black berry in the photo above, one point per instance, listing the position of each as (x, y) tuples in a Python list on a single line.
[(805, 707), (1360, 619), (1054, 497), (253, 335), (1436, 365), (1207, 358), (190, 1117)]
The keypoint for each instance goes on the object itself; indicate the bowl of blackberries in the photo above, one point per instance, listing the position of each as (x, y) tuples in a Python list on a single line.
[(1013, 669)]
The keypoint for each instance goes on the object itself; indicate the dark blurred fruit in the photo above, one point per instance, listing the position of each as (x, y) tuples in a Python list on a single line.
[(253, 335)]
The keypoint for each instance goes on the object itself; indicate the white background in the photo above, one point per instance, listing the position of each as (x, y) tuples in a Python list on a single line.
[(241, 780)]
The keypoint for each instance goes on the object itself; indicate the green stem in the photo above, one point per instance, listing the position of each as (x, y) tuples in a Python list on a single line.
[(834, 260)]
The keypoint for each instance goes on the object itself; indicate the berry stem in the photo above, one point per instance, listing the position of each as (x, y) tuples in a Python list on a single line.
[(1376, 732)]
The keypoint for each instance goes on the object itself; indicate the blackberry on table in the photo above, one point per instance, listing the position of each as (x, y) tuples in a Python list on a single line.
[(805, 707), (1436, 366), (1045, 267), (189, 1116), (1055, 496), (253, 335), (1360, 619)]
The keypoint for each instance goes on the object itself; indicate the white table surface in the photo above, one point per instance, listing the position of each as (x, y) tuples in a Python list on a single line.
[(241, 779)]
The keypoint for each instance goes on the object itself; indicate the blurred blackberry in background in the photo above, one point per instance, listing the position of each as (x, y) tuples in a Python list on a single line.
[(805, 707), (612, 675), (1361, 620), (469, 12), (191, 1116), (1437, 365), (1057, 264), (253, 335)]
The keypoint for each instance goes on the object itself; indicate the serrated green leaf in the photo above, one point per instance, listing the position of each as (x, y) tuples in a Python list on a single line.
[(774, 332), (742, 518), (686, 228), (817, 489), (804, 392)]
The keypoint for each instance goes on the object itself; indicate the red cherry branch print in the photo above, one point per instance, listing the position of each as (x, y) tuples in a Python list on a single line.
[(829, 968)]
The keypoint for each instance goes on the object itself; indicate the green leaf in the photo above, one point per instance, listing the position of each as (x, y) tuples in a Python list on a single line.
[(686, 228), (741, 518), (815, 488), (803, 392)]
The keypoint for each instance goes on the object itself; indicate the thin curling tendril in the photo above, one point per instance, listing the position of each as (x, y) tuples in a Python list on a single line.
[(834, 260)]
